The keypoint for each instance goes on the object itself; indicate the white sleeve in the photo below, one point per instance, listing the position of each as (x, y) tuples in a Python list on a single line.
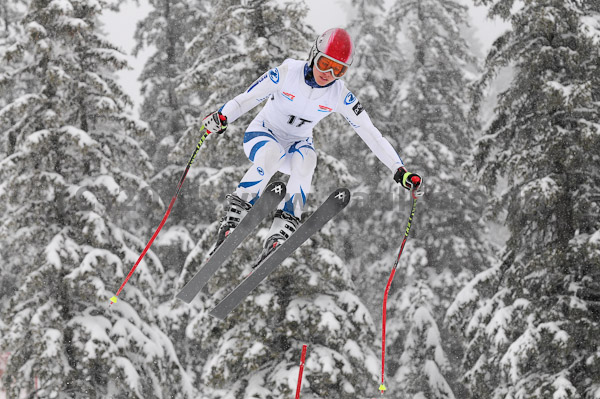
[(357, 117), (258, 92)]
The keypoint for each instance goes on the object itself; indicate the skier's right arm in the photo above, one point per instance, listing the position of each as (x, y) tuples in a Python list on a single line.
[(258, 92)]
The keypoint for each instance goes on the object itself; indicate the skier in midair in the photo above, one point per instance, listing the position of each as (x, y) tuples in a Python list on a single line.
[(299, 94)]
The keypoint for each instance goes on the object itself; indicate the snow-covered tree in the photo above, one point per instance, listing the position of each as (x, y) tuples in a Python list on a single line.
[(10, 30), (424, 360), (225, 58), (378, 64), (446, 245), (310, 299), (168, 29), (532, 319), (10, 52), (10, 13), (69, 224)]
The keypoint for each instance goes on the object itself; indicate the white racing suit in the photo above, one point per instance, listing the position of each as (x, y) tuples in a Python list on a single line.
[(280, 137)]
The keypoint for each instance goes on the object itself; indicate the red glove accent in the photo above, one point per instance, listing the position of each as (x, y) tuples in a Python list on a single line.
[(408, 180), (215, 123)]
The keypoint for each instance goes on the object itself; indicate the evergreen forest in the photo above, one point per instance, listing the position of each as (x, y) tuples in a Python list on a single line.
[(497, 292)]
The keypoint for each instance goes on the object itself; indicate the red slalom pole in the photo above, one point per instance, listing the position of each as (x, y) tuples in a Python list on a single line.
[(415, 195), (303, 357), (164, 219)]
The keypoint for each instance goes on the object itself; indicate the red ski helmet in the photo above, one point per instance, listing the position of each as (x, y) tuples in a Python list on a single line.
[(333, 50)]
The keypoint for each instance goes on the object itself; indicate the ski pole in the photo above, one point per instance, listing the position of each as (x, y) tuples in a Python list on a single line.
[(302, 358), (164, 219), (415, 194)]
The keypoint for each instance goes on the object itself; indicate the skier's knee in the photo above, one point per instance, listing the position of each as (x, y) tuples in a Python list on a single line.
[(304, 163), (268, 156)]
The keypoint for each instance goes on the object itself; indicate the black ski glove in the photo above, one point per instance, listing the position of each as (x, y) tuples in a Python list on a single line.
[(215, 123), (410, 181)]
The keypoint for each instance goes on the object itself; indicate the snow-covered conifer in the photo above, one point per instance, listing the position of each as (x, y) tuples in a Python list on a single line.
[(424, 364), (378, 64), (69, 203), (10, 31), (167, 29), (310, 298), (532, 319), (446, 246)]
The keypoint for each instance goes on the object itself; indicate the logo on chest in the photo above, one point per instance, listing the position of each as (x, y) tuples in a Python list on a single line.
[(288, 96), (323, 108)]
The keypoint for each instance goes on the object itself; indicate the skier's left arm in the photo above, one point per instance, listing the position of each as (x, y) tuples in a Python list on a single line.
[(359, 119)]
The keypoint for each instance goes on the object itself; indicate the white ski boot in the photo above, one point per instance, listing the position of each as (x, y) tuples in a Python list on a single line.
[(237, 210), (284, 225)]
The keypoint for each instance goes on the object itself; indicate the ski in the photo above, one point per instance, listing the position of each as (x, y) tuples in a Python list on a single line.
[(331, 207), (274, 193)]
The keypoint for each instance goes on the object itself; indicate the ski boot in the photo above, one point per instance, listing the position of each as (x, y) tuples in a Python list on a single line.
[(284, 225), (237, 209)]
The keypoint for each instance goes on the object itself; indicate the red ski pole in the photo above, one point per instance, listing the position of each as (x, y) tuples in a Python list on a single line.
[(415, 194), (301, 371), (164, 219)]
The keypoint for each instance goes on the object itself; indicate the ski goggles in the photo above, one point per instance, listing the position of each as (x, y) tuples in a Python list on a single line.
[(325, 63)]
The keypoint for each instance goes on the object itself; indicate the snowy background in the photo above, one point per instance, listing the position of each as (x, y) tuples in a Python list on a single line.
[(120, 28), (496, 294)]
